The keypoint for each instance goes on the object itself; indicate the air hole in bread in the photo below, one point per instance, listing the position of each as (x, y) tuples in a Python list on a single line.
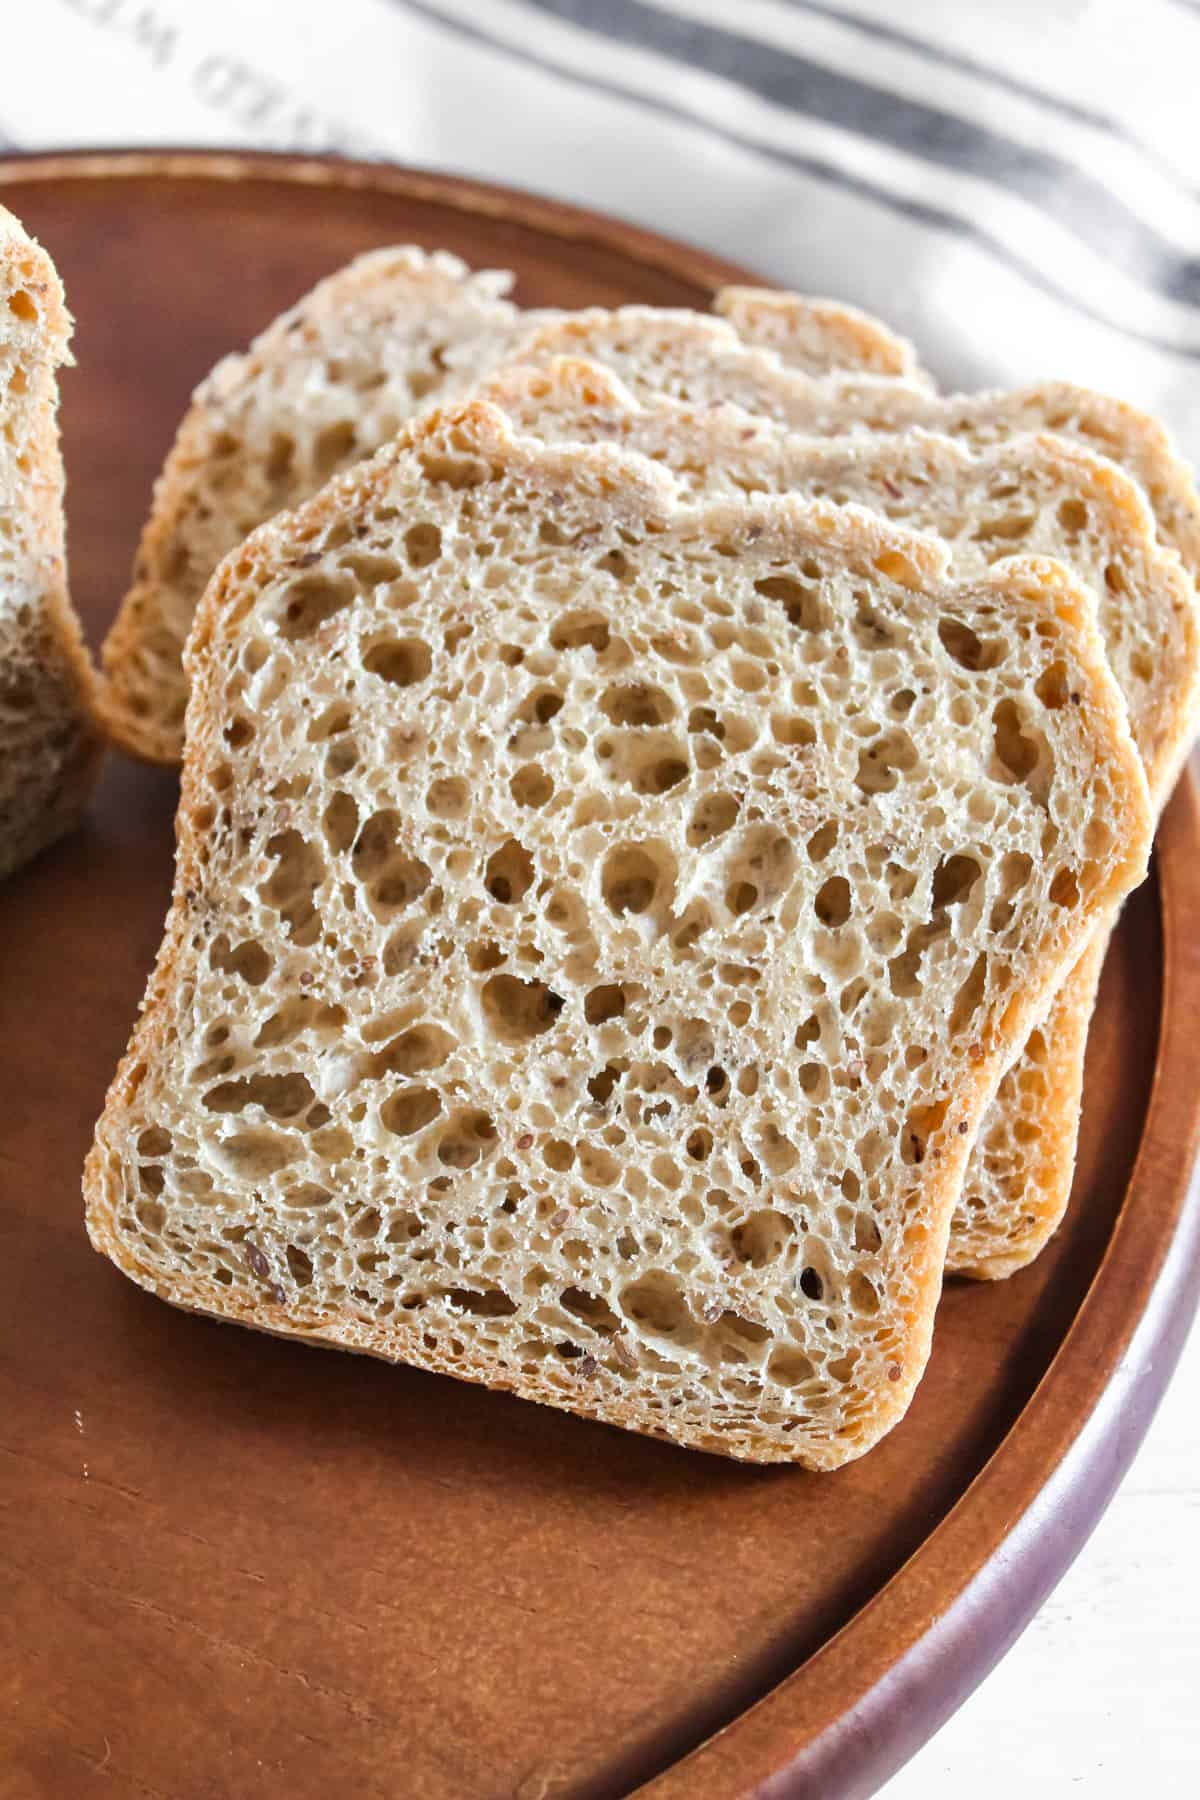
[(281, 1096), (1064, 889), (713, 816), (23, 305), (256, 1155), (410, 1110), (541, 706), (470, 1136), (920, 1127), (603, 1003), (635, 875), (299, 1265), (966, 647), (637, 704), (657, 1306), (793, 729), (832, 904), (997, 535), (310, 602), (1052, 686), (393, 879), (580, 631), (459, 472), (401, 661), (340, 821), (591, 1309), (800, 600), (247, 960), (373, 570), (531, 786), (422, 544), (516, 1011), (969, 997), (790, 1368), (704, 719), (1017, 749), (421, 1047), (953, 880), (884, 761), (762, 1238), (238, 732), (448, 797), (1073, 517), (509, 873)]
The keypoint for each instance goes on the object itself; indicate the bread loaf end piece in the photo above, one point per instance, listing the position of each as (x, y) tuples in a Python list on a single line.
[(49, 751)]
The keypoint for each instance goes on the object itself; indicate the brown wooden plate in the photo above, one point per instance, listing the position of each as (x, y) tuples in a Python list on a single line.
[(230, 1568)]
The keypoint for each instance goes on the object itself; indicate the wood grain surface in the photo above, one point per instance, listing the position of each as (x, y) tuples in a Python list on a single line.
[(232, 1566)]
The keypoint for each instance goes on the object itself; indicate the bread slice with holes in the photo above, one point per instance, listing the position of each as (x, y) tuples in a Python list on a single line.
[(1041, 494), (325, 385), (584, 972), (48, 748)]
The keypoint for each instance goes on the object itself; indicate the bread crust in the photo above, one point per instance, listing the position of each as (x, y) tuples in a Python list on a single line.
[(808, 333), (626, 490)]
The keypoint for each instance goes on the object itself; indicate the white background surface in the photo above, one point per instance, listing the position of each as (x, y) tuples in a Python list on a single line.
[(1102, 1694)]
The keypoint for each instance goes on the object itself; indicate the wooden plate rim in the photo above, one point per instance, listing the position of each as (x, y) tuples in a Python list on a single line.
[(915, 1651), (535, 212)]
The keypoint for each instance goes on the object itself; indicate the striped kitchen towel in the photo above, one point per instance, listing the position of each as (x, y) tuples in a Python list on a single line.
[(1011, 182)]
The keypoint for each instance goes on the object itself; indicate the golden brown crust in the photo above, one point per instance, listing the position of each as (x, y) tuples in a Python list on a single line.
[(811, 334), (994, 1234)]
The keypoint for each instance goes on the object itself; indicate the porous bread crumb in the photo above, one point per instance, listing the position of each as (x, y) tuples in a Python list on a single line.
[(393, 333), (1046, 494), (48, 749), (583, 973)]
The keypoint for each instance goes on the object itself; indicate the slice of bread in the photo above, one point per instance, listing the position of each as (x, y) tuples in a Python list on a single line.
[(390, 335), (49, 752), (1044, 495), (599, 925), (814, 335)]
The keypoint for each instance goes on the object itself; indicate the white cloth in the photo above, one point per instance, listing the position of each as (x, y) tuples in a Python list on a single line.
[(1013, 185)]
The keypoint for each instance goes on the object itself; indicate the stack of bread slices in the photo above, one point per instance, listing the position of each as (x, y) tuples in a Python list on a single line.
[(656, 790)]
